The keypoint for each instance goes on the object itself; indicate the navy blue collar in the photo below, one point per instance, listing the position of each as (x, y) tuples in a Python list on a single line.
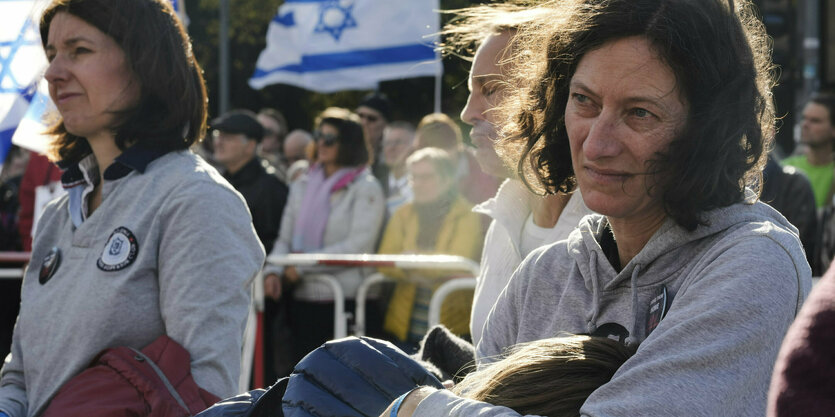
[(135, 158)]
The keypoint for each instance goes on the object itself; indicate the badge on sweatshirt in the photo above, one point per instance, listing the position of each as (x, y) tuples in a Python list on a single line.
[(657, 309), (120, 250), (50, 264), (612, 331)]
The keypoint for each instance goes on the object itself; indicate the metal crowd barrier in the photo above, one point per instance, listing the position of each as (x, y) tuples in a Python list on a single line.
[(13, 258), (466, 266)]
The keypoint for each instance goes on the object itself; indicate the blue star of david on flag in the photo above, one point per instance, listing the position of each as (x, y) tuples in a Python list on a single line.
[(334, 18), (334, 45), (22, 63), (9, 82)]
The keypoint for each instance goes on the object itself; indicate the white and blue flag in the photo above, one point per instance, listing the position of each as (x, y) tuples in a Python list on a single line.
[(22, 63), (333, 45)]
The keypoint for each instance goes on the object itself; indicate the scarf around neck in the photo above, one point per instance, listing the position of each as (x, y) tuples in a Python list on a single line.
[(309, 229)]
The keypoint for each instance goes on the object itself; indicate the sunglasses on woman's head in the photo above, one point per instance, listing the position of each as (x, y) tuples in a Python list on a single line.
[(328, 139)]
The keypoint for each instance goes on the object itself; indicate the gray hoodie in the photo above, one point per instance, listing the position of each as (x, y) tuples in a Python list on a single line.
[(733, 287)]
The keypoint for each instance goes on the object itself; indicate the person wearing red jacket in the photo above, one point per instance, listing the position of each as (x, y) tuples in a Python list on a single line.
[(40, 172)]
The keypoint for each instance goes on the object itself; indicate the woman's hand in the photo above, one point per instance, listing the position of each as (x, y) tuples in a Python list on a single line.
[(272, 286), (291, 274), (410, 403)]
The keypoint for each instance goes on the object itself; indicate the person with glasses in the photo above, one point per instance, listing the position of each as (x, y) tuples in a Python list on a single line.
[(336, 207), (398, 144), (295, 152), (440, 131), (374, 112), (270, 150), (439, 220), (236, 136)]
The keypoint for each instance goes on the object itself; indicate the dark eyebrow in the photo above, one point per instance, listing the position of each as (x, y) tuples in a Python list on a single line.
[(636, 99), (69, 42), (580, 86)]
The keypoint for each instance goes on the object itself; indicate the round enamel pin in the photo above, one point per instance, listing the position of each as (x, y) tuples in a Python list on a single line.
[(50, 264), (119, 251)]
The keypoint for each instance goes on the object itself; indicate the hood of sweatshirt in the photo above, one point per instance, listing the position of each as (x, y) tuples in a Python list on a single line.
[(666, 253)]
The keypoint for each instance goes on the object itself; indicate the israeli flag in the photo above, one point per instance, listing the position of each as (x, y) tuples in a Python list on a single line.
[(180, 8), (333, 45), (22, 64)]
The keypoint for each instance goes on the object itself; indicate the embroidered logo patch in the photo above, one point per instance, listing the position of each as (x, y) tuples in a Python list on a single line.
[(120, 250), (50, 264)]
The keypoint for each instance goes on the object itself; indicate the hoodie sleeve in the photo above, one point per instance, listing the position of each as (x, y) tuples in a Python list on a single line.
[(714, 352)]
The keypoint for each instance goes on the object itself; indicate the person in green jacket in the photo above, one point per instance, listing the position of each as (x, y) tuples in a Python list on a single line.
[(817, 134)]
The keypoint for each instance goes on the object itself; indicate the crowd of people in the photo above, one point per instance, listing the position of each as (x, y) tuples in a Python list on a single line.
[(642, 250)]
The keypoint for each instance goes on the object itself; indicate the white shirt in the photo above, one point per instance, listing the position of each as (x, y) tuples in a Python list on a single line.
[(503, 249)]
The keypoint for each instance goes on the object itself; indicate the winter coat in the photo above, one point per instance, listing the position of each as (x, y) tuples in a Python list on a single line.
[(460, 234), (356, 215)]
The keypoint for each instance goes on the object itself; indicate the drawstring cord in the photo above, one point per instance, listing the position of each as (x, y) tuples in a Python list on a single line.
[(591, 326), (632, 339)]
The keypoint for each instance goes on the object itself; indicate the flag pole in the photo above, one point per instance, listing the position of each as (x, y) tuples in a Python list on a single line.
[(224, 56), (438, 83)]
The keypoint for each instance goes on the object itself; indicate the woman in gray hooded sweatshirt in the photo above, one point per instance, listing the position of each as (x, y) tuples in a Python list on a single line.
[(663, 109)]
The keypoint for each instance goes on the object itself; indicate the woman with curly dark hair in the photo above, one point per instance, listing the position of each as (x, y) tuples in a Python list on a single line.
[(660, 111)]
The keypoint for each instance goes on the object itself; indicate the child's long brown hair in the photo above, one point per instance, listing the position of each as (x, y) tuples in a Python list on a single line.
[(550, 377)]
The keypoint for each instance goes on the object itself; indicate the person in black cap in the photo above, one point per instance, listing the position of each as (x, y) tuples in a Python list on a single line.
[(235, 137), (375, 112)]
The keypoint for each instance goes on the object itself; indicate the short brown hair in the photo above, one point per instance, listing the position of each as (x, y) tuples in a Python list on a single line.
[(827, 100), (172, 107), (550, 377)]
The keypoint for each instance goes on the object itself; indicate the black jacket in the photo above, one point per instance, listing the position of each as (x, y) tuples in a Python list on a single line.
[(265, 195), (790, 193)]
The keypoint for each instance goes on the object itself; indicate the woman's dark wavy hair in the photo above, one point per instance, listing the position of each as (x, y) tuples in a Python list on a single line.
[(720, 56), (172, 107), (353, 148)]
